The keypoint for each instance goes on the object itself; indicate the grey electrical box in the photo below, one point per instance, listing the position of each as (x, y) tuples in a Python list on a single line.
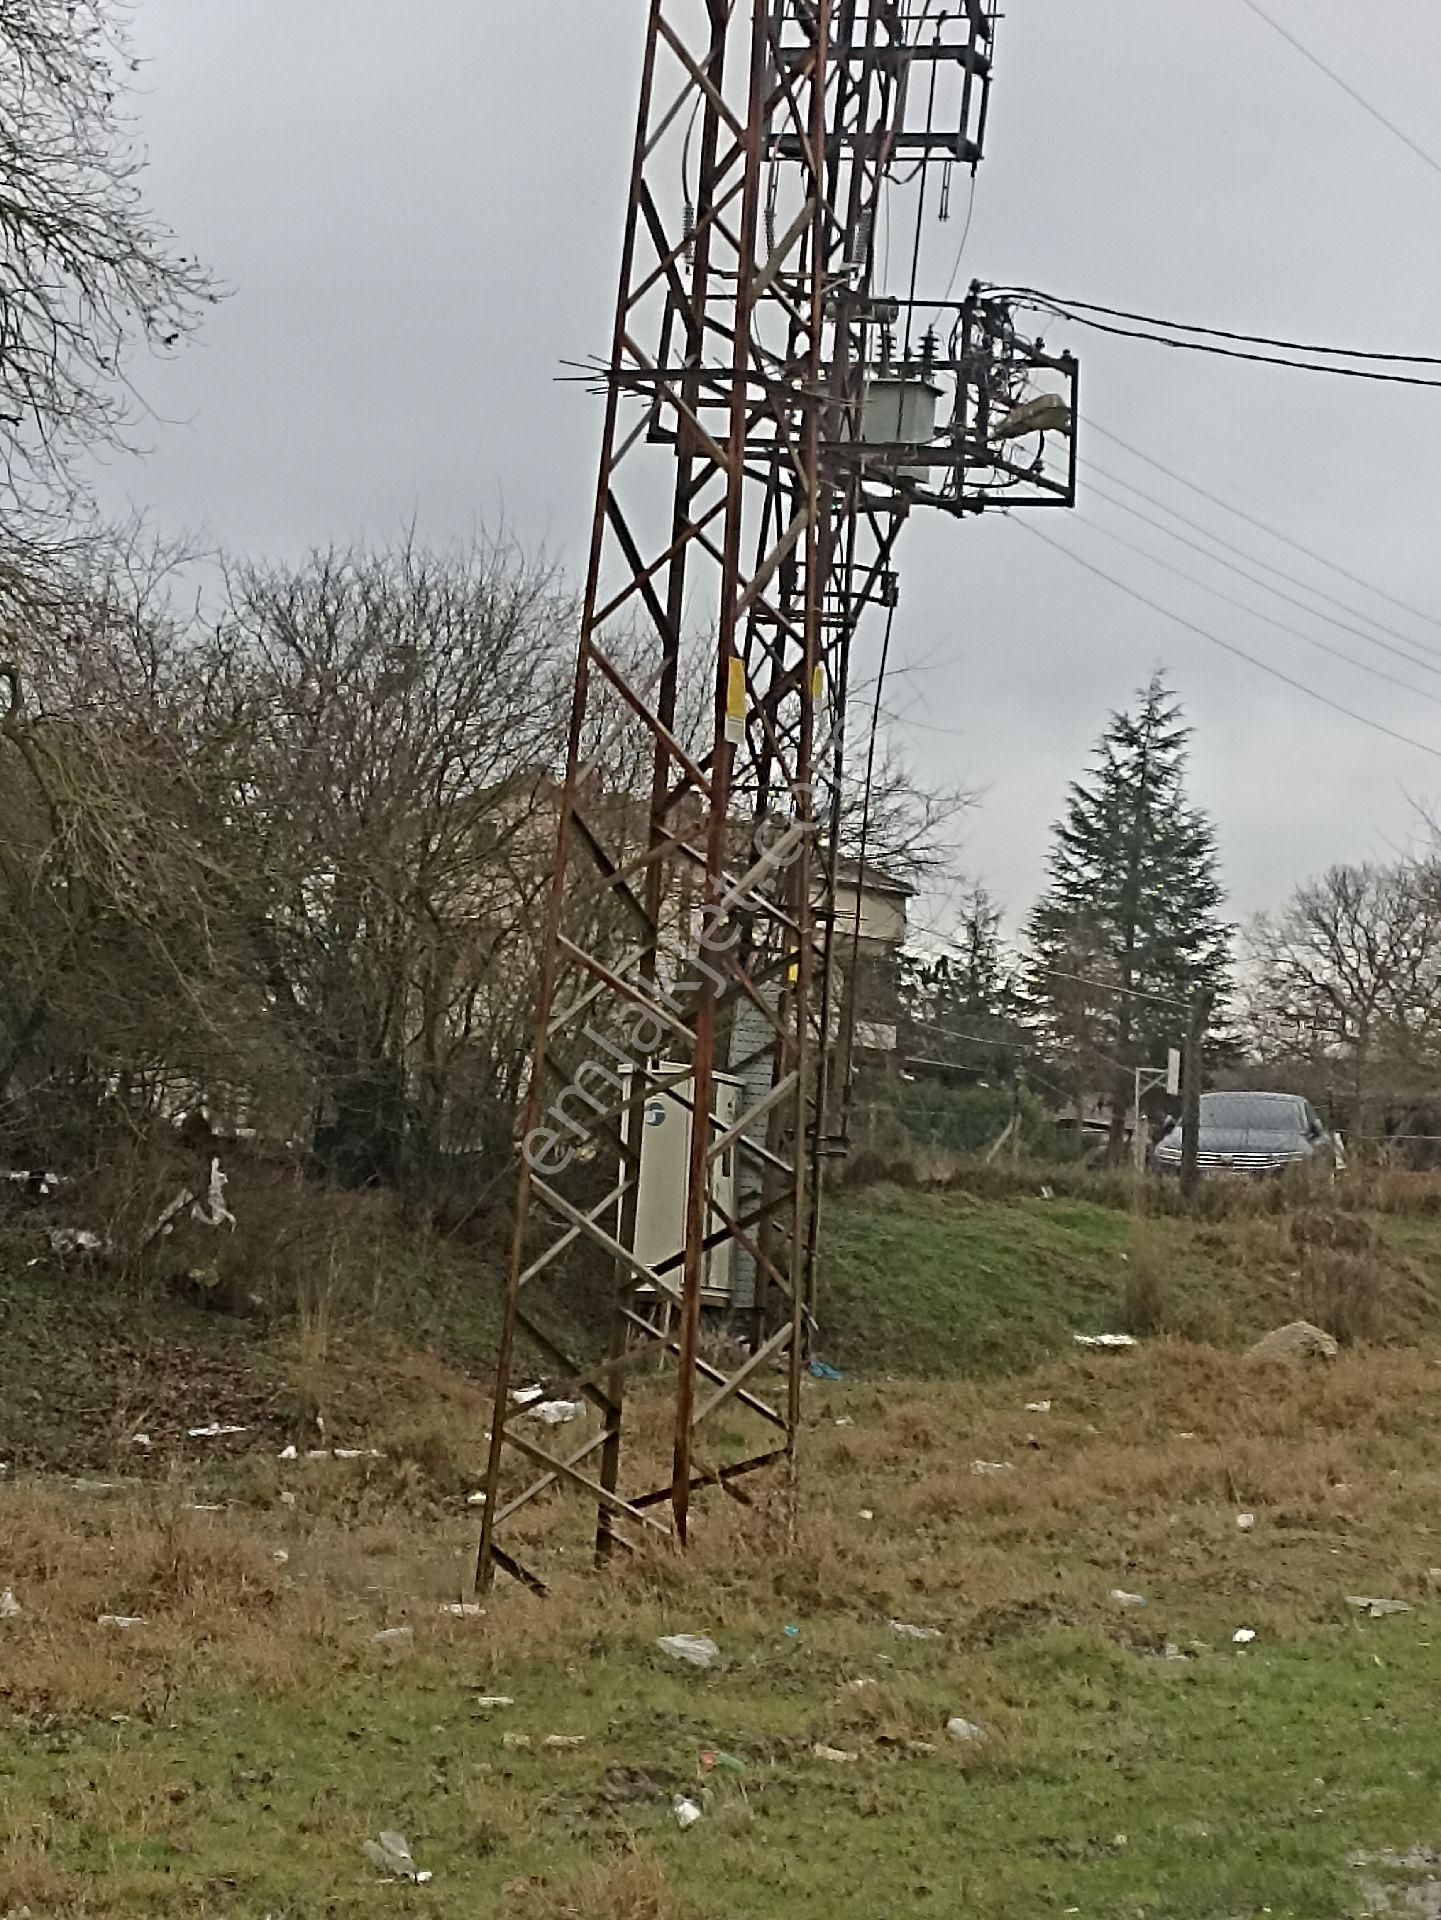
[(901, 408), (663, 1126)]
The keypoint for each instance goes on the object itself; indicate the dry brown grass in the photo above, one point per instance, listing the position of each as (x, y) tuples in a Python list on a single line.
[(1132, 1479), (632, 1887)]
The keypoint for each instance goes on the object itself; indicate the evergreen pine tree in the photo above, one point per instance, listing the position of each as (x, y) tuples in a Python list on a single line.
[(1131, 908)]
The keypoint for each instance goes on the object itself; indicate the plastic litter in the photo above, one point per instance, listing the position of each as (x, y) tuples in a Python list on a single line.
[(993, 1466), (120, 1620), (909, 1632), (288, 1453), (490, 1701), (475, 1499), (1124, 1599), (1104, 1339), (868, 1513), (1376, 1609), (212, 1211), (1245, 1522), (1243, 1636), (280, 1555), (964, 1730), (76, 1240), (791, 1633), (720, 1762), (839, 1755), (206, 1507), (391, 1853), (555, 1413), (526, 1396), (463, 1610), (94, 1486), (213, 1432), (697, 1648), (141, 1440), (393, 1637), (1038, 1406), (845, 1420), (9, 1605), (686, 1813), (821, 1370)]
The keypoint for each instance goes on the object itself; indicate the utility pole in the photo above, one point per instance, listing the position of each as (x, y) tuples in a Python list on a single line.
[(1191, 1091), (771, 419), (1017, 1089), (1146, 1078)]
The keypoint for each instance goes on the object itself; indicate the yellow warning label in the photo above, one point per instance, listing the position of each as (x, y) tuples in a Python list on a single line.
[(818, 684), (735, 727)]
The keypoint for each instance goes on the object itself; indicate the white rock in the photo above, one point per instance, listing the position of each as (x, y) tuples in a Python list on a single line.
[(963, 1730)]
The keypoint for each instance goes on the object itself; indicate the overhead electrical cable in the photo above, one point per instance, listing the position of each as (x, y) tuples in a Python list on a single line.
[(1226, 333), (1227, 646), (1345, 85), (1218, 500), (1282, 626), (1411, 659), (1046, 303)]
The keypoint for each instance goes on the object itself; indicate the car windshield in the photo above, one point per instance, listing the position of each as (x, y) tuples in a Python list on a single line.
[(1250, 1113)]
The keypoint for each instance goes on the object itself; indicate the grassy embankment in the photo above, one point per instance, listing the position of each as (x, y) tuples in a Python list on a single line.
[(230, 1755)]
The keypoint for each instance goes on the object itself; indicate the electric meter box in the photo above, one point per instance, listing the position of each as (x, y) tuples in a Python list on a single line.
[(664, 1126)]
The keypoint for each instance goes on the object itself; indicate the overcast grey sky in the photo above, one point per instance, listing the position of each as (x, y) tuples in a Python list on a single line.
[(417, 208)]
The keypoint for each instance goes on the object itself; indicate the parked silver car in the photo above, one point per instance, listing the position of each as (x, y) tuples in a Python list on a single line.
[(1254, 1135)]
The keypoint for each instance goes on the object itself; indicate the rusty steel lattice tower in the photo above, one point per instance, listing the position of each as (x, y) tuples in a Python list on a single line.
[(748, 502)]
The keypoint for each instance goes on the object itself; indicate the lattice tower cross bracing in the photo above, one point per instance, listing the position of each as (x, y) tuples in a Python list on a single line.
[(742, 525)]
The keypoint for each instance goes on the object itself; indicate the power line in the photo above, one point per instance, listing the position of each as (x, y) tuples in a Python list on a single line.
[(1227, 646), (1408, 649), (1266, 587), (1084, 980), (1282, 626), (1228, 333), (1045, 303), (1218, 500), (1345, 86)]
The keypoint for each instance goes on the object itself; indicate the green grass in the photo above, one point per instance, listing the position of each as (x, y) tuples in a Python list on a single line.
[(232, 1756), (940, 1283), (932, 1284), (1234, 1784)]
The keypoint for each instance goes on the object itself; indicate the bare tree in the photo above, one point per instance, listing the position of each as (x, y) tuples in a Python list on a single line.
[(398, 720), (1345, 982), (87, 268)]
